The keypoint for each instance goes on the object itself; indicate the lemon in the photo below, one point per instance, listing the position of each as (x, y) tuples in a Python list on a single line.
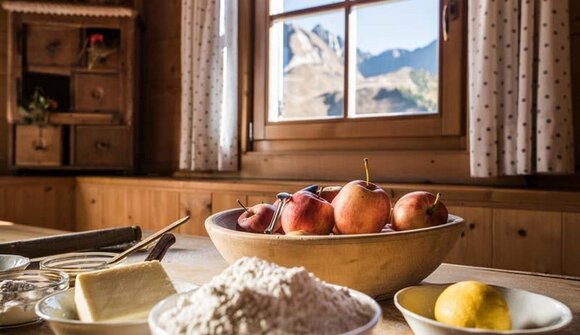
[(473, 304)]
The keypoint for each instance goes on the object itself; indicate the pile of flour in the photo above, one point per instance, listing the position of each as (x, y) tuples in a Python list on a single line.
[(256, 297)]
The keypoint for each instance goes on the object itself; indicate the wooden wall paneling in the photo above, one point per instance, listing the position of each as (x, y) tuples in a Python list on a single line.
[(527, 240), (160, 96), (223, 201), (89, 206), (474, 247), (25, 204), (114, 207), (59, 208), (254, 199), (198, 205), (3, 90), (137, 212), (571, 247), (2, 205), (163, 208)]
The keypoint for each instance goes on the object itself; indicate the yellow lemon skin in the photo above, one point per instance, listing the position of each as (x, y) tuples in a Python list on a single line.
[(473, 304)]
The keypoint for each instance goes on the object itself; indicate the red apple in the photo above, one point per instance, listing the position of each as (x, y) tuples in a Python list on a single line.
[(329, 192), (418, 210), (309, 213), (361, 207), (256, 218)]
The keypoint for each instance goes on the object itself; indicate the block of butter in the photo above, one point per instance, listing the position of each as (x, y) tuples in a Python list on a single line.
[(121, 293)]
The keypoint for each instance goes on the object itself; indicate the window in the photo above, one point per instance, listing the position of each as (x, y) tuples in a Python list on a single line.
[(331, 70)]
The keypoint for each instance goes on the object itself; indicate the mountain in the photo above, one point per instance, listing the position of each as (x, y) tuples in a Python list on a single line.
[(393, 81), (425, 58), (336, 43)]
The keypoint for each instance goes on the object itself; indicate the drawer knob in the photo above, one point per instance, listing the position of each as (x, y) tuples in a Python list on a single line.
[(38, 145), (103, 146), (52, 46), (98, 93)]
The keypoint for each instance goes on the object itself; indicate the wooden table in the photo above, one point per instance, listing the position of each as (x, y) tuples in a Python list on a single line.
[(196, 260)]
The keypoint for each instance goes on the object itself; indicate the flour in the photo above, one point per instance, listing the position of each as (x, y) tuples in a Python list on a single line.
[(256, 297)]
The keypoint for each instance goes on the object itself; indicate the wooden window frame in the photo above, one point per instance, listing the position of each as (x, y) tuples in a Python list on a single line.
[(442, 131)]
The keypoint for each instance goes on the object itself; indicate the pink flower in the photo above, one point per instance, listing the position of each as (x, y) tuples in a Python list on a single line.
[(95, 38)]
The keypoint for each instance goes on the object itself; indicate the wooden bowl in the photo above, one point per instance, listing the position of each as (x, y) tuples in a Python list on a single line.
[(376, 264)]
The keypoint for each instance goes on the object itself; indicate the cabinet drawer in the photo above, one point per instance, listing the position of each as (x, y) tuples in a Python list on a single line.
[(48, 45), (97, 92), (38, 146), (102, 146)]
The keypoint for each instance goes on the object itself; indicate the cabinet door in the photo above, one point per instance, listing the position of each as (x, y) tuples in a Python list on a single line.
[(527, 240)]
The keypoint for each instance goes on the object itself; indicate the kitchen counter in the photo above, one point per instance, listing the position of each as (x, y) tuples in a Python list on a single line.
[(196, 260)]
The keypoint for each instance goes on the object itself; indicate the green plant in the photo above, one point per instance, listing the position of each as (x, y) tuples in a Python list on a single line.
[(37, 107)]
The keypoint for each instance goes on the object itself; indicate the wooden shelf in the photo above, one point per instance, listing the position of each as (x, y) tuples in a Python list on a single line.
[(67, 70), (84, 118), (49, 69)]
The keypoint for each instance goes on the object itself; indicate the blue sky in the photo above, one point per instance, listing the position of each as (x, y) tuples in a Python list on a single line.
[(405, 24)]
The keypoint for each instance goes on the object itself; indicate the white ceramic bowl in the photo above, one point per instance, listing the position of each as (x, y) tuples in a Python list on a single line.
[(13, 262), (17, 308), (376, 264), (157, 328), (531, 313), (59, 311)]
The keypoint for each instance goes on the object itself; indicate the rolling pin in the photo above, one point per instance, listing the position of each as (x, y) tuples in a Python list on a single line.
[(59, 244)]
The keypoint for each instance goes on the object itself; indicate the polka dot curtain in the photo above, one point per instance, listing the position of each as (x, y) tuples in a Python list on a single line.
[(519, 88), (209, 113)]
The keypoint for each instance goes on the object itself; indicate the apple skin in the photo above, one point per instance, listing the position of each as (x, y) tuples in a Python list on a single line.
[(309, 213), (411, 211), (256, 219), (329, 192), (361, 209)]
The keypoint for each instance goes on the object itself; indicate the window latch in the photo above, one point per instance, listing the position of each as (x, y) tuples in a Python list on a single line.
[(450, 12)]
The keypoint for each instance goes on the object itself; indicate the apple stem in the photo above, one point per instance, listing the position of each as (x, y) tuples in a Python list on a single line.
[(244, 207), (367, 171), (437, 199), (431, 208)]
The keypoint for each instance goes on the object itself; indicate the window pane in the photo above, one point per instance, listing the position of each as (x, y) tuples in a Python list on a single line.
[(282, 6), (306, 74), (397, 58)]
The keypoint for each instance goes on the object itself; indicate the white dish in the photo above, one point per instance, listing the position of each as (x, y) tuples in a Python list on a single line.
[(161, 307), (13, 262), (59, 311), (531, 313)]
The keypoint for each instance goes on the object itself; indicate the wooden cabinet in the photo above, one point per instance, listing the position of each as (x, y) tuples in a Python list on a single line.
[(86, 64)]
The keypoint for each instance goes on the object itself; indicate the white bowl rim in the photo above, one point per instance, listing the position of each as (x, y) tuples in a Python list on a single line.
[(453, 220), (49, 318), (564, 321), (378, 311), (23, 266)]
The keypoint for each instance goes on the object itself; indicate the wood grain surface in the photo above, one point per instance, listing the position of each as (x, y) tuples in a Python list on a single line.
[(196, 260)]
